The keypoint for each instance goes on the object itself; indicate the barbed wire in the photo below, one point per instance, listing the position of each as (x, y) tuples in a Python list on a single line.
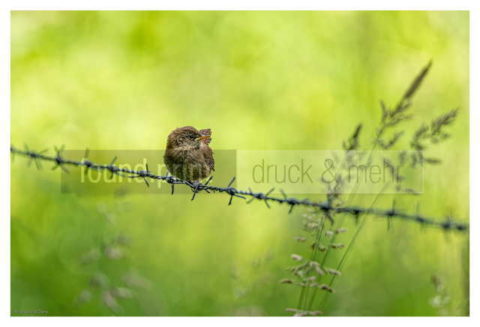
[(355, 211)]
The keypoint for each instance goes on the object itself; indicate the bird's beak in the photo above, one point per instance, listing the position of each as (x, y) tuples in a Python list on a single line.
[(202, 138)]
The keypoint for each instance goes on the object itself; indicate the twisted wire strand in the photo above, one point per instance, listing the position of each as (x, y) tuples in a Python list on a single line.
[(328, 208)]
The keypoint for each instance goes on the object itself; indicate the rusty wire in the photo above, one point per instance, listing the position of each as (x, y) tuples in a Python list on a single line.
[(355, 211)]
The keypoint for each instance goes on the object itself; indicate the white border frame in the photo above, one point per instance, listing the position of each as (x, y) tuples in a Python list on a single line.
[(7, 6)]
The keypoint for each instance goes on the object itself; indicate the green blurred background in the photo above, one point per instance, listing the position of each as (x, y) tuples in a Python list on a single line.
[(259, 80)]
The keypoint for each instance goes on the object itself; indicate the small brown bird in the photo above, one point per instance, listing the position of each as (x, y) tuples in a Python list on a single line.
[(188, 155)]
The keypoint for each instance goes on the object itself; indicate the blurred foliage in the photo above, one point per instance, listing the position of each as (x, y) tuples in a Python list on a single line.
[(259, 80)]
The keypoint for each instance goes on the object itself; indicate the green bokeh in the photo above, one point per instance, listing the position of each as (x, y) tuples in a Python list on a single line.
[(259, 80)]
